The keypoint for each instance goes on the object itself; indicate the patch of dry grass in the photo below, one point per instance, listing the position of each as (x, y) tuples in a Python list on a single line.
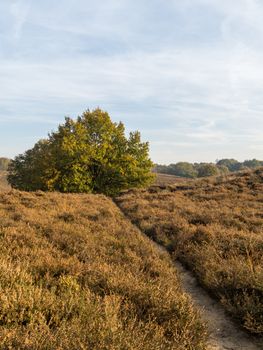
[(166, 179), (214, 226), (75, 274)]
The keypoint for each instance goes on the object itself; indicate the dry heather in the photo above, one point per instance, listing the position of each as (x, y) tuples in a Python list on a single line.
[(166, 179), (215, 227), (75, 274)]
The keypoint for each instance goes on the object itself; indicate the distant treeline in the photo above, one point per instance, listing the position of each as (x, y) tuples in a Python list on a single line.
[(190, 170), (4, 163), (221, 167)]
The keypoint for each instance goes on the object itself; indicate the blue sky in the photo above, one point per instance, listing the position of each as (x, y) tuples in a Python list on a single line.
[(187, 73)]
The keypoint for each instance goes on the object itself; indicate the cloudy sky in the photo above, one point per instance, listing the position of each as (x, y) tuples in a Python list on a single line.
[(187, 73)]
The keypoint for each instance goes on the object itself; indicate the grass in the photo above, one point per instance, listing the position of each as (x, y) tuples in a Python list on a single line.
[(215, 227), (75, 274)]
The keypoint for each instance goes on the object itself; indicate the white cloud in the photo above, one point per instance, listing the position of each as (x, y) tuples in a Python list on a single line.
[(178, 83)]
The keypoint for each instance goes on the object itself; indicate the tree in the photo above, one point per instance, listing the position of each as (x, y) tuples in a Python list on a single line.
[(223, 170), (231, 164), (161, 169), (183, 169), (90, 154), (207, 169), (253, 163), (30, 171)]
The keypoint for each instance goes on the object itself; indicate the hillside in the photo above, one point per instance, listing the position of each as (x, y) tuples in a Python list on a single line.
[(215, 227), (75, 274), (166, 179)]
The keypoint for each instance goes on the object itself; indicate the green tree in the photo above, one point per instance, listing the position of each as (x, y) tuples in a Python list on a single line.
[(161, 169), (90, 154), (30, 171), (223, 170), (231, 164), (253, 163), (207, 169), (183, 169)]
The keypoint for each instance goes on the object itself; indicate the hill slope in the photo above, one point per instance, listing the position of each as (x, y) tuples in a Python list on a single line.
[(215, 227), (75, 274)]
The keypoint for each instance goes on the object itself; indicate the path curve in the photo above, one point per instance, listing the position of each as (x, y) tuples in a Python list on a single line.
[(224, 334)]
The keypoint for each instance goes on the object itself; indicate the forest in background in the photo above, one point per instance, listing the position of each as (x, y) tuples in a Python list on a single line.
[(193, 170), (190, 170)]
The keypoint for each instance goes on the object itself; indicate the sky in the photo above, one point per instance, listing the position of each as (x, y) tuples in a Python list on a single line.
[(188, 74)]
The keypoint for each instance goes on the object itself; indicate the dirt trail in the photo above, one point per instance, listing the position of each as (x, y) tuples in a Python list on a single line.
[(224, 334)]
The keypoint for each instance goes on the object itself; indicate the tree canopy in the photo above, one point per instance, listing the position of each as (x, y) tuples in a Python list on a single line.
[(253, 163), (90, 154), (231, 164), (184, 169), (207, 169)]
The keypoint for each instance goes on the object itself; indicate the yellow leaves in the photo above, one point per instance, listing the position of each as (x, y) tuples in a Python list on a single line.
[(69, 283)]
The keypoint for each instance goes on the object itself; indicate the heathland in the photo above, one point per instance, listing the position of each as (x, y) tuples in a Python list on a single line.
[(76, 274), (215, 227), (76, 271)]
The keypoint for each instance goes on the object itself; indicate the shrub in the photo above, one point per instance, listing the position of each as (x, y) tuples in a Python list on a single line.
[(207, 169), (90, 154)]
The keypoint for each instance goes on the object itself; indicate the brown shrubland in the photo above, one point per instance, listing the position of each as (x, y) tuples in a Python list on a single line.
[(76, 274), (166, 179), (215, 227)]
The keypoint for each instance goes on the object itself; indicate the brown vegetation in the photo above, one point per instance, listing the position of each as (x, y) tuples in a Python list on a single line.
[(75, 274), (215, 227), (166, 179)]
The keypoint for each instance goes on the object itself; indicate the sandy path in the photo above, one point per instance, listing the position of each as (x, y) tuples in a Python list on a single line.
[(224, 334)]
